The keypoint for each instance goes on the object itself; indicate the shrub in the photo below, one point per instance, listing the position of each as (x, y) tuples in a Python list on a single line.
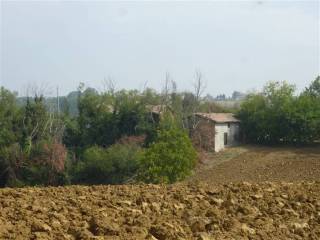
[(95, 167), (114, 165), (46, 164), (171, 158), (11, 163)]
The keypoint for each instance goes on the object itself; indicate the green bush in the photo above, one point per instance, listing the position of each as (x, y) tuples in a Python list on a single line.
[(114, 165), (278, 116), (43, 175), (171, 158), (11, 163)]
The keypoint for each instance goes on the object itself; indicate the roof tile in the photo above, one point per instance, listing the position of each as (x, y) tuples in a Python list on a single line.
[(219, 117)]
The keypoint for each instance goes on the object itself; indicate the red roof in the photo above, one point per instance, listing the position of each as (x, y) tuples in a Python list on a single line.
[(219, 117)]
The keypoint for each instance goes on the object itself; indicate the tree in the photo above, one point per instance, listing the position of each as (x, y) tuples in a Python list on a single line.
[(30, 143), (254, 123), (11, 156), (10, 117), (314, 88), (264, 117), (278, 116), (171, 158), (304, 119), (309, 108), (106, 117), (199, 87)]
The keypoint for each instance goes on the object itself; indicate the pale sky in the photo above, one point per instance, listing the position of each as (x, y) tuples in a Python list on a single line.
[(236, 45)]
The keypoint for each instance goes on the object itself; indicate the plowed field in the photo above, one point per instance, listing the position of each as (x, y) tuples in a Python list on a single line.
[(259, 164), (207, 206)]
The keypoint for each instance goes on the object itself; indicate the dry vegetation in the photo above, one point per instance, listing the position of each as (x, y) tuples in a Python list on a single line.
[(207, 206)]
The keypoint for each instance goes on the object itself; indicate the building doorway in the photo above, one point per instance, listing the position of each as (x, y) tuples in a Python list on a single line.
[(225, 137)]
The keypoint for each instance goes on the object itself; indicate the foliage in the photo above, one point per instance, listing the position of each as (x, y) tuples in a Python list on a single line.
[(305, 119), (114, 165), (31, 152), (97, 137), (43, 166), (11, 164), (9, 118), (314, 88), (278, 116), (171, 158), (94, 168), (104, 118)]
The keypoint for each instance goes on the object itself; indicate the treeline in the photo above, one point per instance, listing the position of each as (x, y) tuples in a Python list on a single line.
[(67, 104), (278, 116), (115, 137), (125, 136)]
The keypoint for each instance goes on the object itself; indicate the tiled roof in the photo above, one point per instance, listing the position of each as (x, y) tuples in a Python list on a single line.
[(219, 117)]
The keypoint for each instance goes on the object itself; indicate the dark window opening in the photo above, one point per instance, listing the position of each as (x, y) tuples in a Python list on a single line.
[(225, 138), (228, 125)]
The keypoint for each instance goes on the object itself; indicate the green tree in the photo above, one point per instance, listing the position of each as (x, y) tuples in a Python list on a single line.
[(30, 149), (104, 118), (35, 123), (278, 116), (171, 158), (304, 119), (130, 112), (314, 88), (265, 116), (308, 108), (10, 118), (11, 156), (96, 120)]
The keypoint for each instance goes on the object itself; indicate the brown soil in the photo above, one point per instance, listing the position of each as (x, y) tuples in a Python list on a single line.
[(194, 209), (198, 211), (258, 164)]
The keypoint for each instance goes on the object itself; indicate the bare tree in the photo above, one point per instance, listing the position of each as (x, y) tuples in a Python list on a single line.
[(109, 85), (174, 87), (166, 90), (34, 89), (199, 85), (143, 86)]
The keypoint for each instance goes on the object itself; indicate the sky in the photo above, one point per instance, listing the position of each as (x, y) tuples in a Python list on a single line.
[(236, 45)]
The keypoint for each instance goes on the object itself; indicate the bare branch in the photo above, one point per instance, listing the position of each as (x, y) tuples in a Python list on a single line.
[(37, 90), (199, 85), (144, 86), (109, 85), (166, 90)]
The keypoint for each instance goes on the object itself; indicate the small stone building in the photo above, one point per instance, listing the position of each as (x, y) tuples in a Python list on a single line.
[(215, 131)]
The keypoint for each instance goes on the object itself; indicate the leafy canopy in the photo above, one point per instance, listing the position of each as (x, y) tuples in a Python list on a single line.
[(171, 158), (277, 115)]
